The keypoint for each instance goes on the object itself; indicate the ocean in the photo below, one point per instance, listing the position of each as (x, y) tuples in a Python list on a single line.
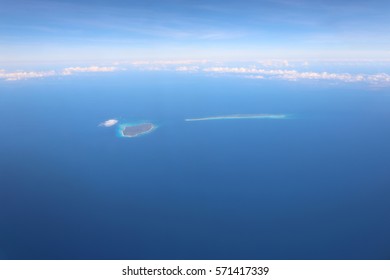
[(315, 185)]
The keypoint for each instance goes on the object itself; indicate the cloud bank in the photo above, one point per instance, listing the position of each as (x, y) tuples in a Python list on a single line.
[(167, 65), (187, 68), (24, 75), (71, 70), (294, 75), (21, 75), (272, 69)]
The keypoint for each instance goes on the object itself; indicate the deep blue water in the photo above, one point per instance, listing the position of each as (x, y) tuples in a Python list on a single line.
[(315, 186)]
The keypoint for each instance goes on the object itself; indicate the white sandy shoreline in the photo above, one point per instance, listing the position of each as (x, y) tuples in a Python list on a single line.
[(237, 117)]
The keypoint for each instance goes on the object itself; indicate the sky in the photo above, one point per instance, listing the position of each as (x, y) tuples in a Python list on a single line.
[(34, 31)]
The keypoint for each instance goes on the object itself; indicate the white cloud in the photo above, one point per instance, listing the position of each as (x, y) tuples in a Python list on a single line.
[(167, 62), (22, 75), (109, 123), (187, 68), (167, 65), (293, 75), (191, 66), (274, 63), (248, 70), (381, 77), (255, 77), (71, 70)]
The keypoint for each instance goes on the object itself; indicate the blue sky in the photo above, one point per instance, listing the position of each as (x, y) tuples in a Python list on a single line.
[(188, 29)]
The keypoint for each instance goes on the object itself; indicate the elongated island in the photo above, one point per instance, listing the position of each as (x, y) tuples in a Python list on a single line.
[(240, 116), (136, 129)]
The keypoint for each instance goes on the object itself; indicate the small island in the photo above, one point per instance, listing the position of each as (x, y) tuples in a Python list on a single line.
[(240, 116), (137, 129)]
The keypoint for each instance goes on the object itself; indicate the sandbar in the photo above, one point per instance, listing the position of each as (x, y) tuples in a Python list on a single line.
[(240, 116)]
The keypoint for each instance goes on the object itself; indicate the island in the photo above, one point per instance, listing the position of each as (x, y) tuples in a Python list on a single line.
[(136, 129), (240, 116)]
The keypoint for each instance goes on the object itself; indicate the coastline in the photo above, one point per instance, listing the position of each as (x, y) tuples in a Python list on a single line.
[(123, 127)]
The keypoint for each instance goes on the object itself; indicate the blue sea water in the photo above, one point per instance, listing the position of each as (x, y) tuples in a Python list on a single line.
[(313, 186)]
